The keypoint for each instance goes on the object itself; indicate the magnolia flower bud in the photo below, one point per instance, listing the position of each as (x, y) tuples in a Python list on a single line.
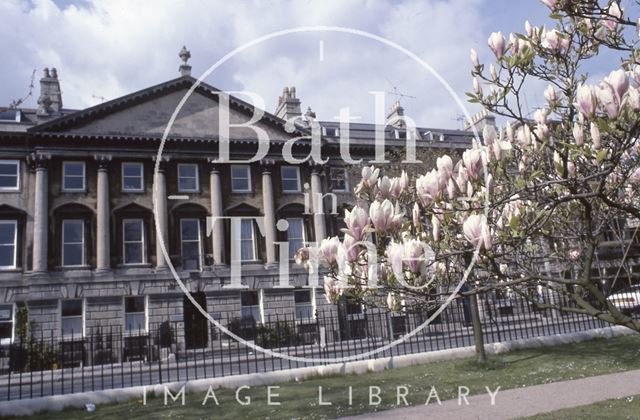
[(550, 3), (435, 225), (415, 215), (476, 86), (586, 100), (472, 159), (428, 188), (496, 43), (357, 222), (528, 28), (571, 168), (509, 130), (595, 135), (474, 59), (540, 116), (578, 134), (445, 165), (493, 72), (550, 95)]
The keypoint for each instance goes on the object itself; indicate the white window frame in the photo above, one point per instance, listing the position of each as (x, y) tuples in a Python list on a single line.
[(199, 240), (141, 166), (297, 169), (83, 259), (346, 179), (253, 240), (304, 235), (6, 341), (75, 335), (247, 168), (142, 240), (311, 303), (197, 177), (146, 315), (64, 176), (15, 244), (17, 164)]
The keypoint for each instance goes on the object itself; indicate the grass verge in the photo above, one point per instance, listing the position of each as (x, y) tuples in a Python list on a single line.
[(619, 408), (301, 399)]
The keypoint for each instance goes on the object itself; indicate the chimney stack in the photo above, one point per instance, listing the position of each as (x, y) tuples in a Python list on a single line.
[(479, 120), (50, 100), (288, 105), (185, 55), (395, 116)]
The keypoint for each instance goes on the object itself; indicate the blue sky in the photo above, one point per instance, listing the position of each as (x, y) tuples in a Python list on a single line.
[(108, 48)]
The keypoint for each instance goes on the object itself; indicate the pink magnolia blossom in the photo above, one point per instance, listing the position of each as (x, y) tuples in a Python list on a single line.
[(476, 231), (428, 188), (497, 43), (550, 3), (554, 41), (370, 176), (510, 134), (351, 248), (608, 100), (445, 165), (614, 11), (384, 187), (528, 28), (399, 185), (524, 136), (619, 81), (586, 100), (332, 290), (384, 216), (357, 222), (395, 255), (574, 254), (328, 250), (472, 159), (633, 98)]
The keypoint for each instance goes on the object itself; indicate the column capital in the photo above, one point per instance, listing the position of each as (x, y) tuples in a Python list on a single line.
[(316, 168), (103, 161), (214, 165), (266, 165), (164, 160), (38, 161)]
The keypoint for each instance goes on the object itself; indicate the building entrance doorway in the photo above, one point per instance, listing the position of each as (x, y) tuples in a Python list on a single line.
[(196, 331)]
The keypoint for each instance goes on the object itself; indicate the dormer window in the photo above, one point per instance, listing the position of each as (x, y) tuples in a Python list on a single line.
[(331, 131)]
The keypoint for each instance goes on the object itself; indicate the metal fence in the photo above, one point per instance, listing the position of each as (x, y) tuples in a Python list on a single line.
[(111, 358)]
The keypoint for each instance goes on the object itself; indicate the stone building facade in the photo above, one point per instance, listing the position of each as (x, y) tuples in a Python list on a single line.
[(82, 209)]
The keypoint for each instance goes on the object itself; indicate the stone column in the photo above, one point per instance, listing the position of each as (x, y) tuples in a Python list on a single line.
[(217, 226), (40, 214), (269, 215), (318, 210), (161, 215), (103, 247)]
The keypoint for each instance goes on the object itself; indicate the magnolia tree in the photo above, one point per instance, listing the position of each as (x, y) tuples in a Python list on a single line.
[(531, 204)]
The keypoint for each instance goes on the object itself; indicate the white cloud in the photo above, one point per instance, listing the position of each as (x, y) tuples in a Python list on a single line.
[(112, 47)]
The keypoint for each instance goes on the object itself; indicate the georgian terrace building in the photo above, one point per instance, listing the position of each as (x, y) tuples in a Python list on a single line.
[(78, 242)]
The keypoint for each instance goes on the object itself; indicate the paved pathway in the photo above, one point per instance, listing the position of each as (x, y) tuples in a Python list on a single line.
[(521, 402)]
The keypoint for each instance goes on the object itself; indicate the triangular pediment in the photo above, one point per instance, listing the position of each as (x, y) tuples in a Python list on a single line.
[(147, 113)]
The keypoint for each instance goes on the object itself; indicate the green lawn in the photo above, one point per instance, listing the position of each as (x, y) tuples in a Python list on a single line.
[(300, 399), (622, 408)]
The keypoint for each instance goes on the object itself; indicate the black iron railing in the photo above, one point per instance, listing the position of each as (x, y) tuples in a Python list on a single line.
[(106, 358)]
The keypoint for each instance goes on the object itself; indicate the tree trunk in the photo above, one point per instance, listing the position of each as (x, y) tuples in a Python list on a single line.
[(478, 339)]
